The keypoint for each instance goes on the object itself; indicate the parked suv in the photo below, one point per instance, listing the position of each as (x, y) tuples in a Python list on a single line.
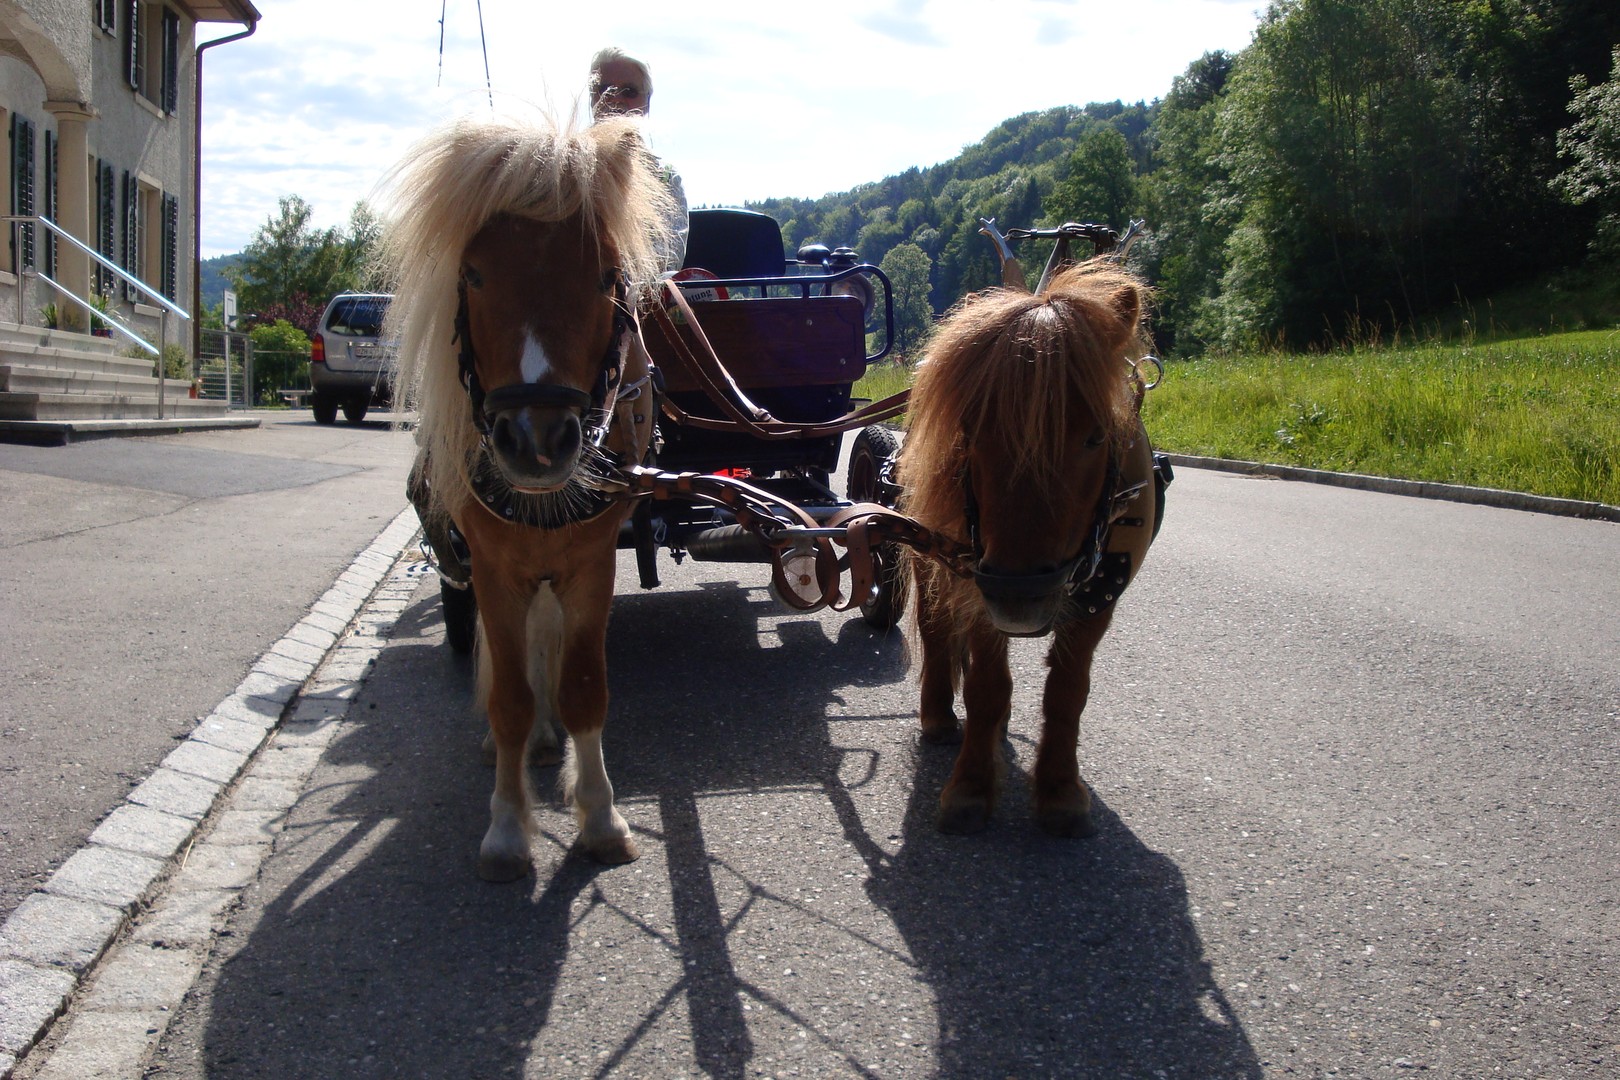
[(349, 367)]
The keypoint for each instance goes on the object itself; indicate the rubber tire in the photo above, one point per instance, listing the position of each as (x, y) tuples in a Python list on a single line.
[(460, 617), (324, 409), (874, 446), (355, 411)]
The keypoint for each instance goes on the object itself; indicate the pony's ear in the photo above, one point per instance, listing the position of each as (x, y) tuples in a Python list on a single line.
[(1127, 304)]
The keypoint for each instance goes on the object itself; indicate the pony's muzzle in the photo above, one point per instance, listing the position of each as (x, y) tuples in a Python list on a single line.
[(536, 448), (1027, 604), (535, 431)]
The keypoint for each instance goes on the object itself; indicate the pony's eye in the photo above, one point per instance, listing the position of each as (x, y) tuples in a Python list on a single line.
[(472, 277), (1096, 440)]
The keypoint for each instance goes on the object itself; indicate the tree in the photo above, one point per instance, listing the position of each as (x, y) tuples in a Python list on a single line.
[(1592, 143), (907, 267), (1101, 182), (290, 268)]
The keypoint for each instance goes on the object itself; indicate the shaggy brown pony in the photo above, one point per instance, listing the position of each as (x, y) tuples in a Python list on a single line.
[(1023, 430)]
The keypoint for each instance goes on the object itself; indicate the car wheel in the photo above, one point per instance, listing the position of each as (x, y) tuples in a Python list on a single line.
[(874, 447), (324, 409), (354, 411), (460, 617)]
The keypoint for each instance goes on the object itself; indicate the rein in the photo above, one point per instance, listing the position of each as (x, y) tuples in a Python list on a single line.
[(743, 415)]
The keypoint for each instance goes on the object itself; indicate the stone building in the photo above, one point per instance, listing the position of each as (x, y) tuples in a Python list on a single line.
[(99, 101)]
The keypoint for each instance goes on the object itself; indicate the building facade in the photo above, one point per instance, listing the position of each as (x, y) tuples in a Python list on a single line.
[(99, 102)]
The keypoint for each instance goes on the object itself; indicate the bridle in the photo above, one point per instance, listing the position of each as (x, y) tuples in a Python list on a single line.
[(595, 407), (1080, 576)]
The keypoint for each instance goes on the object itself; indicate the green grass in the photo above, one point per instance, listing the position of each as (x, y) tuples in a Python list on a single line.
[(1538, 415)]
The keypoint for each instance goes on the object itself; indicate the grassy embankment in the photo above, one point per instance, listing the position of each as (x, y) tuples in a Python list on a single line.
[(1537, 414)]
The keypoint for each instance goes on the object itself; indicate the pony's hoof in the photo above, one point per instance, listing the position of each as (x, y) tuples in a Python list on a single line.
[(503, 868), (963, 819), (942, 734), (613, 850), (1067, 823)]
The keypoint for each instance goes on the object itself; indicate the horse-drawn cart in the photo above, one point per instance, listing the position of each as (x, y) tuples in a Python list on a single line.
[(550, 438)]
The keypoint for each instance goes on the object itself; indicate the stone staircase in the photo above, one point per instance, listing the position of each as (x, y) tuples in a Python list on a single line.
[(59, 375)]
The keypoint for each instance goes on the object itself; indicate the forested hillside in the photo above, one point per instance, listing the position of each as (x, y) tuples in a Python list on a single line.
[(1360, 167)]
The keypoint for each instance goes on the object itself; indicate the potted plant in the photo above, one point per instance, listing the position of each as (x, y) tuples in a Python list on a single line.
[(100, 327)]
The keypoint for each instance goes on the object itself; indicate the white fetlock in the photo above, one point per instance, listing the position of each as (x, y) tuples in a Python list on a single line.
[(504, 854)]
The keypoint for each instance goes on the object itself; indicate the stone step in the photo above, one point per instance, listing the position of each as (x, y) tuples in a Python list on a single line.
[(28, 405), (54, 380), (70, 359), (19, 334)]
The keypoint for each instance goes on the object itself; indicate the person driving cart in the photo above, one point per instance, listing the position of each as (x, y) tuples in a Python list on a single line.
[(621, 85)]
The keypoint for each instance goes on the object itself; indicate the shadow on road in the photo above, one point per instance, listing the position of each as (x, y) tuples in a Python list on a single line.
[(746, 753)]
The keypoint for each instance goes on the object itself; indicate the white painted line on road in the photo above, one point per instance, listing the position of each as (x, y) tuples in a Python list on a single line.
[(149, 859)]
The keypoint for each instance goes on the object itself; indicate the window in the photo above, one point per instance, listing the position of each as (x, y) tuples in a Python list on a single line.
[(152, 60), (107, 15), (22, 190)]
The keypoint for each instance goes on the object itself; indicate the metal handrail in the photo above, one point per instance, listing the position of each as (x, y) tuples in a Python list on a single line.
[(165, 305), (111, 320), (118, 271)]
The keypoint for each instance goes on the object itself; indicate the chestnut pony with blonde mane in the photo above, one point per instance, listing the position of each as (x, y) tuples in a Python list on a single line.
[(1025, 444), (513, 247)]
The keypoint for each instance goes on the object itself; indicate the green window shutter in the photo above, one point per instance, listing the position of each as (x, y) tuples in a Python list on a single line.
[(171, 247), (107, 220), (22, 186), (171, 62), (48, 247), (134, 70), (132, 233)]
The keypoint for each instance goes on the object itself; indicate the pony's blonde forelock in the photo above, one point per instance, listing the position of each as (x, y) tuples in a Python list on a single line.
[(445, 190)]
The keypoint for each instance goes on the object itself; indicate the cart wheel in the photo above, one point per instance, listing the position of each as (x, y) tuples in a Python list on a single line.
[(874, 447), (460, 617)]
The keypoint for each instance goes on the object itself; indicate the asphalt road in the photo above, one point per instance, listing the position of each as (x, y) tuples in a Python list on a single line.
[(1355, 765), (141, 578)]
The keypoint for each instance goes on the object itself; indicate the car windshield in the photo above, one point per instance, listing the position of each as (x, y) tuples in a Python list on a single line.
[(358, 316)]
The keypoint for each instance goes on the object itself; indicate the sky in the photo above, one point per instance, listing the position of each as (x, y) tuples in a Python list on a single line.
[(752, 100)]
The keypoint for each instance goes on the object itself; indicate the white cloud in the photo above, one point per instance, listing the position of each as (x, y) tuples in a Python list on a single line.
[(752, 100)]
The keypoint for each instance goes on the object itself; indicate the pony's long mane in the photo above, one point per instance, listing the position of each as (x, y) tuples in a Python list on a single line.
[(445, 190), (1025, 367)]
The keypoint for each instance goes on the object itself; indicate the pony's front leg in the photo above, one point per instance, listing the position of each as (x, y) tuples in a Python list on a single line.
[(504, 854), (1062, 800), (970, 794), (582, 699), (941, 657)]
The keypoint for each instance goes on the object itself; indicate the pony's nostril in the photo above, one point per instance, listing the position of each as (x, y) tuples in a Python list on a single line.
[(562, 441), (506, 437)]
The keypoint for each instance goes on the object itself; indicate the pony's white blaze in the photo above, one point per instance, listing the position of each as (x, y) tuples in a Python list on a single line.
[(535, 364)]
